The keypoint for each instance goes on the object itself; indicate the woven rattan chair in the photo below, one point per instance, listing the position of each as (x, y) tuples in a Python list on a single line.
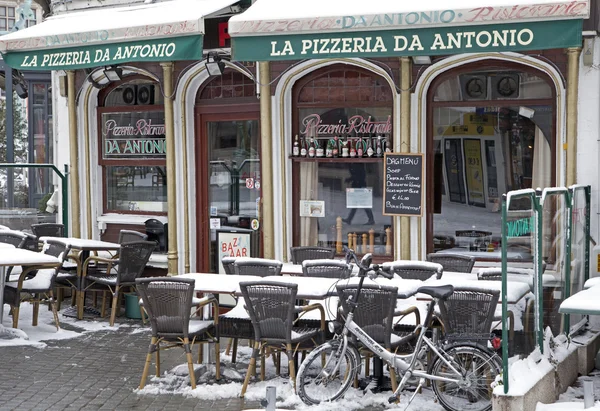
[(168, 302), (325, 268), (48, 230), (458, 263), (414, 270), (33, 289), (272, 309), (127, 236), (375, 315), (236, 324), (300, 254), (129, 263), (16, 238), (228, 264), (468, 314)]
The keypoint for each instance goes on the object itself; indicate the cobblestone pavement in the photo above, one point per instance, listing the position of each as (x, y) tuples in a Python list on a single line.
[(98, 371)]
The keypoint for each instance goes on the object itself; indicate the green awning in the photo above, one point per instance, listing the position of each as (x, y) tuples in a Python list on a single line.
[(165, 31)]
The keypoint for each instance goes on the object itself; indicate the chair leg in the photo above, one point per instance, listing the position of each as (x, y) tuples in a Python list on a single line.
[(115, 301), (200, 353), (292, 369), (367, 364), (393, 379), (234, 353), (217, 361), (15, 314), (190, 362), (158, 358), (36, 310), (278, 370), (228, 346), (59, 297), (262, 363), (94, 299), (103, 306), (54, 310), (147, 364), (251, 365)]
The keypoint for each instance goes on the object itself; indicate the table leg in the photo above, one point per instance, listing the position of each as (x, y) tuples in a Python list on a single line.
[(2, 281), (80, 293)]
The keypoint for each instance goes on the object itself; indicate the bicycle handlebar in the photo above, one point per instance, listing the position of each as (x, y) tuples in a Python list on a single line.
[(365, 266)]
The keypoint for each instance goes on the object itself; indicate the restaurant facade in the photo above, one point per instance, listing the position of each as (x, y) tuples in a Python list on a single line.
[(266, 126)]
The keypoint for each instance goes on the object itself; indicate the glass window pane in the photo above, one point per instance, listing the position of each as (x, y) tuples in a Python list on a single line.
[(11, 12), (136, 188), (11, 23), (2, 24), (2, 11)]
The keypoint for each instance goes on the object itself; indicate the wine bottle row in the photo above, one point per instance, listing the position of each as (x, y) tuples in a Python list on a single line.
[(341, 147)]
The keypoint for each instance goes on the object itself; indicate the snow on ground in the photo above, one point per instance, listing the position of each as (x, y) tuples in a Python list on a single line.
[(46, 330)]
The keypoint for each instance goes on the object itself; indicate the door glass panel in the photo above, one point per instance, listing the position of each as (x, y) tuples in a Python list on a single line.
[(234, 188)]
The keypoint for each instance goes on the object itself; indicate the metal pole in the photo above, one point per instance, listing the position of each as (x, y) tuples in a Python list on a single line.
[(405, 80), (569, 227), (74, 156), (10, 135), (172, 259), (539, 297), (266, 162), (504, 297), (572, 92)]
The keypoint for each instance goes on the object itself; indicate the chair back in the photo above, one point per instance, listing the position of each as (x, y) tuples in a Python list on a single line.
[(415, 270), (261, 267), (271, 307), (48, 230), (326, 268), (168, 302), (300, 254), (56, 249), (468, 313), (127, 236), (133, 257), (16, 238), (453, 262), (228, 264), (375, 310), (523, 275)]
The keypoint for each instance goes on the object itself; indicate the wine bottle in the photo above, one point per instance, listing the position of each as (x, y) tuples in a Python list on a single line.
[(296, 149), (345, 151), (352, 149), (303, 151), (329, 149), (311, 148), (370, 147), (336, 147), (359, 147), (319, 148), (378, 148), (388, 145)]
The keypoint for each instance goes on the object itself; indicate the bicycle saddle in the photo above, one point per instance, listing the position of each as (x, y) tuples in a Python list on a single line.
[(437, 291)]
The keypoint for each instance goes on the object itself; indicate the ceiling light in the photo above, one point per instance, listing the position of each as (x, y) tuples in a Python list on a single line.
[(214, 65), (113, 73), (424, 60), (21, 89)]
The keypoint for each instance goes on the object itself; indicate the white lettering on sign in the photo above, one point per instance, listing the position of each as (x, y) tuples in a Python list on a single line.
[(313, 125), (142, 127), (117, 146), (100, 55)]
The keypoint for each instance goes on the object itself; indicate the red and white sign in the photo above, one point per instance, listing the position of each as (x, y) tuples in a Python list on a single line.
[(249, 183)]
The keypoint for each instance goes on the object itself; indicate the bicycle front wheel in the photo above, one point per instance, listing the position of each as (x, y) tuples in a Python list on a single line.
[(473, 392), (317, 382)]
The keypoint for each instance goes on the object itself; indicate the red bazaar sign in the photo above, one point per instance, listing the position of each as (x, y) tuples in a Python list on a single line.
[(313, 125)]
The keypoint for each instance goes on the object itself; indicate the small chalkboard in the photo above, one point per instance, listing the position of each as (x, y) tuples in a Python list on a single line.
[(403, 184)]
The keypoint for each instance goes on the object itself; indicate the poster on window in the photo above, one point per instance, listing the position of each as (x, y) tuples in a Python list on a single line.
[(312, 208), (232, 244), (359, 198), (474, 171)]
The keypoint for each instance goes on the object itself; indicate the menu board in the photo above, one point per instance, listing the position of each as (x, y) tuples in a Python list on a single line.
[(403, 184)]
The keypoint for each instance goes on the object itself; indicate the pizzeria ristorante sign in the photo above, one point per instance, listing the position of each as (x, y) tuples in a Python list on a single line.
[(425, 41), (166, 49), (134, 135)]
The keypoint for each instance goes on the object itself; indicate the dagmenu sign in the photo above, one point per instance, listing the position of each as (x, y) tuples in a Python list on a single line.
[(403, 184), (424, 41)]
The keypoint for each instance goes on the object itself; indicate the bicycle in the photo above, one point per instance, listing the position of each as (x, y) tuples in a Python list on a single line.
[(461, 373)]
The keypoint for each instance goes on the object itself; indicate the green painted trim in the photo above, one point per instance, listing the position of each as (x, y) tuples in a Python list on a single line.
[(70, 58), (429, 41)]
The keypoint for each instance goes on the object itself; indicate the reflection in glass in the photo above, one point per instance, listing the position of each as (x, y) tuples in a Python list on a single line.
[(136, 188)]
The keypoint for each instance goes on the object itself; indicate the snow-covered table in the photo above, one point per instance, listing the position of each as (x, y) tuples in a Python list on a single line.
[(585, 302), (488, 255), (85, 246), (296, 269), (17, 256), (591, 282)]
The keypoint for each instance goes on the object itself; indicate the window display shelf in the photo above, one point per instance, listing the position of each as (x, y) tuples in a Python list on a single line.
[(338, 159)]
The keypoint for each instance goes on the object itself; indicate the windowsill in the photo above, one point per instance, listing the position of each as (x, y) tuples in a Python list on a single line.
[(129, 219), (158, 260), (338, 159)]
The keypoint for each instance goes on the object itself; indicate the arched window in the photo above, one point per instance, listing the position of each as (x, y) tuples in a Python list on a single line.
[(491, 129)]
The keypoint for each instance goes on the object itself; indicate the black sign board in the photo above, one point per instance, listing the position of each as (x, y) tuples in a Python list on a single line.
[(403, 184)]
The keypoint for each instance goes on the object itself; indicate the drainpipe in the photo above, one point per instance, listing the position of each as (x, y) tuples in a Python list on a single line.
[(405, 82), (266, 160), (172, 260), (572, 91), (74, 153)]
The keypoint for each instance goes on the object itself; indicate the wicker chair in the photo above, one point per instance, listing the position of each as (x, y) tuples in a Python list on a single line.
[(48, 230), (300, 254), (272, 308), (228, 264), (15, 238), (40, 285), (468, 314), (130, 264), (414, 270), (236, 324), (168, 302), (325, 268), (458, 263), (127, 236), (375, 315)]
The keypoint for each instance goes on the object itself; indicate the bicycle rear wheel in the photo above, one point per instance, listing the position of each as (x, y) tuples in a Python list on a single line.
[(478, 370), (317, 382)]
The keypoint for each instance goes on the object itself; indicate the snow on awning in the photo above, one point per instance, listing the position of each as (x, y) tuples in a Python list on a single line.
[(280, 30), (166, 31)]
